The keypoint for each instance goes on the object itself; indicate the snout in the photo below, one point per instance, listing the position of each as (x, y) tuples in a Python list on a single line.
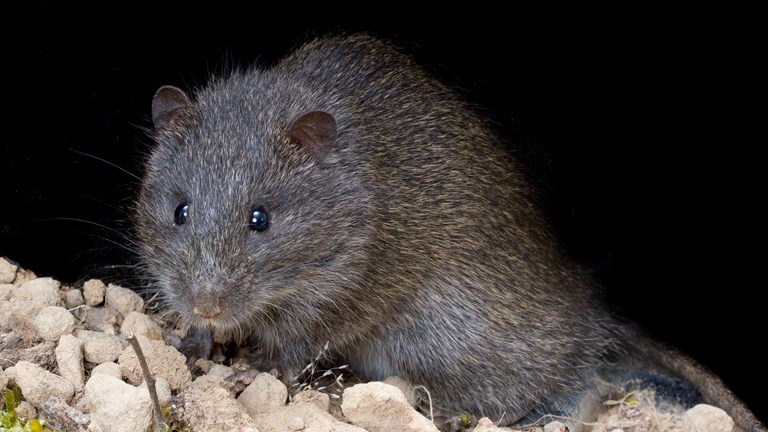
[(207, 305)]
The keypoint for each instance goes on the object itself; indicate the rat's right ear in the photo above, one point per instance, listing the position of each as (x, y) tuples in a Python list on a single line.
[(316, 132), (166, 104)]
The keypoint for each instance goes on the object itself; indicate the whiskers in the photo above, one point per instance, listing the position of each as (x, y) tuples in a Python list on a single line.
[(107, 162)]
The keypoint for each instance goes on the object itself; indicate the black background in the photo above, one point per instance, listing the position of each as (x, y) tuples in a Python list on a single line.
[(633, 123)]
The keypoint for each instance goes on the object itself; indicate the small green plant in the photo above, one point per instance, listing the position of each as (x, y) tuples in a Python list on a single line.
[(466, 419), (171, 424), (9, 421), (627, 399)]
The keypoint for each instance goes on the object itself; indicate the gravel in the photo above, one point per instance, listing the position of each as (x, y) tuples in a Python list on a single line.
[(77, 371)]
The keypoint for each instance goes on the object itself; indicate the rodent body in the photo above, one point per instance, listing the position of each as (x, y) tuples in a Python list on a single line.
[(400, 229)]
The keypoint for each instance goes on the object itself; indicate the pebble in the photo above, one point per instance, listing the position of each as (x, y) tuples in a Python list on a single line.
[(115, 405), (37, 384), (296, 423), (123, 300), (52, 322), (69, 358), (487, 425), (99, 347), (6, 290), (555, 426), (34, 295), (220, 371), (263, 394), (93, 292), (404, 387), (6, 317), (707, 418), (73, 298), (314, 397), (7, 271), (109, 368), (136, 323), (208, 395), (163, 360), (162, 388), (380, 407)]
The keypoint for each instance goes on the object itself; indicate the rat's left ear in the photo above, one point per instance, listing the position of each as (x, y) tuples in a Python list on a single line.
[(316, 132)]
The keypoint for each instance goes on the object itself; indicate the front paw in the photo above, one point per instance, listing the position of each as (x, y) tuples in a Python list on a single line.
[(197, 344)]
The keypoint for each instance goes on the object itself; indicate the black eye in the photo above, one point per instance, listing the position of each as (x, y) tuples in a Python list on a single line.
[(181, 214), (259, 220)]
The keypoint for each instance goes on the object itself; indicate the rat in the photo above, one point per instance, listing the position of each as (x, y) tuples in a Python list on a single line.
[(345, 196)]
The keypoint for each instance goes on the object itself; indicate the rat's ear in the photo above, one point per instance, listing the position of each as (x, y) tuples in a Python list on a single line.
[(165, 105), (315, 131)]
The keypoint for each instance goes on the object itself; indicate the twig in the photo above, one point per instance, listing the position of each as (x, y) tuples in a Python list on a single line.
[(150, 380)]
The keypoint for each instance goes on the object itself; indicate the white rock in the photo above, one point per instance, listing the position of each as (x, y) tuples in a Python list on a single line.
[(100, 317), (210, 406), (264, 394), (45, 289), (296, 423), (314, 397), (380, 407), (707, 418), (116, 406), (487, 425), (7, 271), (313, 418), (93, 292), (163, 361), (6, 311), (162, 388), (123, 300), (6, 290), (109, 368), (555, 426), (32, 296), (136, 323), (37, 384), (108, 329), (220, 371), (404, 387), (52, 322), (99, 347), (23, 276), (69, 358), (73, 298)]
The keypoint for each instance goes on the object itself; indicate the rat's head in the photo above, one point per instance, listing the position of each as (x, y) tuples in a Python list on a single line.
[(247, 214)]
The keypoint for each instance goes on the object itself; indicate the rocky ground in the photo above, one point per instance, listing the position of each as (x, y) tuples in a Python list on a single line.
[(67, 349)]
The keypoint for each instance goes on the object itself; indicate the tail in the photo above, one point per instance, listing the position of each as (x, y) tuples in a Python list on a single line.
[(712, 388)]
